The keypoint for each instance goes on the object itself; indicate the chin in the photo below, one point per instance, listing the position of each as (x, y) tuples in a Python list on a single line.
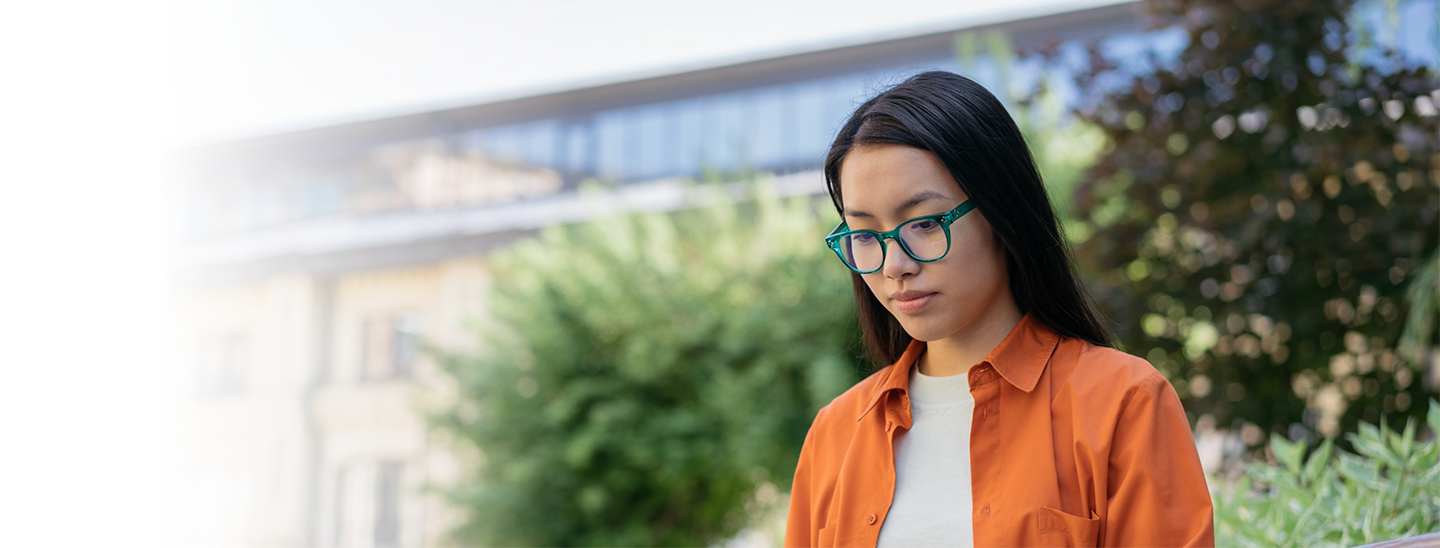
[(923, 330)]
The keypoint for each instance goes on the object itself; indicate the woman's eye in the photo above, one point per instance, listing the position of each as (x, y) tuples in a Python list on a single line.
[(925, 225), (863, 238)]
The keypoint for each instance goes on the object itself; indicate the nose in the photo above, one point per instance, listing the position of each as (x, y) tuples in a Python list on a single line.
[(898, 263)]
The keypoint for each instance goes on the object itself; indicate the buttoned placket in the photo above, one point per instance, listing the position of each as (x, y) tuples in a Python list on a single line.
[(896, 417), (984, 446)]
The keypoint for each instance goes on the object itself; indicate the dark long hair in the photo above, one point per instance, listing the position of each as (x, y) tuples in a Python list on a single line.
[(964, 126)]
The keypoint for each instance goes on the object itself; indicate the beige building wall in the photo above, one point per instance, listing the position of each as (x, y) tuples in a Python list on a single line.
[(301, 423)]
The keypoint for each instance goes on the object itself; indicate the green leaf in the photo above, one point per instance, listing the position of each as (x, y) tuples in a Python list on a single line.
[(1407, 442), (1433, 417), (1371, 443), (1318, 461), (1288, 453)]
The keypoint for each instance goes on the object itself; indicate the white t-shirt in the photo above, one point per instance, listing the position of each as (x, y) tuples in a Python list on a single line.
[(932, 505)]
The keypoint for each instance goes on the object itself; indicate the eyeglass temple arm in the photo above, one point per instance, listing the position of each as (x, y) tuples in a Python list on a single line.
[(959, 210)]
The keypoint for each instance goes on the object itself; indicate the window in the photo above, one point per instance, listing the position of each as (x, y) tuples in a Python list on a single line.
[(223, 361), (405, 342), (338, 533), (367, 505), (390, 345), (724, 133), (690, 135), (654, 153), (387, 504), (767, 128), (577, 148)]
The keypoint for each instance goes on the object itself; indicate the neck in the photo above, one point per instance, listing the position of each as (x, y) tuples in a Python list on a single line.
[(966, 348)]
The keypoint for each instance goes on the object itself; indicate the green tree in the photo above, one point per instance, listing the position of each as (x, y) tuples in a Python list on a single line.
[(1266, 199), (645, 376)]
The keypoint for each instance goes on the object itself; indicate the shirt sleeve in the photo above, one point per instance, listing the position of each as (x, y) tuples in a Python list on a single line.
[(798, 530), (1158, 495)]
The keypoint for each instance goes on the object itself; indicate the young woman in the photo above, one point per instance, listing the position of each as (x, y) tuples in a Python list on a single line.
[(1006, 419)]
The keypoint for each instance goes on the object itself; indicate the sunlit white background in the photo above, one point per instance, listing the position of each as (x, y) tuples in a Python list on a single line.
[(261, 65), (94, 96)]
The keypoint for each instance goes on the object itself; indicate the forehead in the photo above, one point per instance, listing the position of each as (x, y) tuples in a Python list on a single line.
[(875, 178)]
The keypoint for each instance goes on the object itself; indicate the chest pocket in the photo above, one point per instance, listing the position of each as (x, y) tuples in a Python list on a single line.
[(1064, 530), (827, 537)]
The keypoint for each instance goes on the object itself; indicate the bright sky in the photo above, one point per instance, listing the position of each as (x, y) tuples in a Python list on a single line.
[(96, 93), (246, 67)]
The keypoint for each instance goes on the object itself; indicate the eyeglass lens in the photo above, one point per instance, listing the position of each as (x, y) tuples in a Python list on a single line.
[(925, 240)]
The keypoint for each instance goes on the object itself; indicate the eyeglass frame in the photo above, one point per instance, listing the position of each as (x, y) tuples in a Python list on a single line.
[(945, 220)]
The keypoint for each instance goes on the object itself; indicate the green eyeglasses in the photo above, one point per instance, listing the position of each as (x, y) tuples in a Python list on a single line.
[(925, 239)]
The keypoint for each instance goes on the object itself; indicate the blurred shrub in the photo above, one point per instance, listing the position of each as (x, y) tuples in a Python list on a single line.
[(1063, 146), (1266, 198), (649, 378), (1424, 299), (1391, 489)]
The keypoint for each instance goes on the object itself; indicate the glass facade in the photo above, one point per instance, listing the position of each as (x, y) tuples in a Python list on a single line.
[(778, 128), (775, 128)]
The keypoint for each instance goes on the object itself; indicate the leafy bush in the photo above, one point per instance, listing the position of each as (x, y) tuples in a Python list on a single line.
[(1269, 195), (1391, 489), (647, 375)]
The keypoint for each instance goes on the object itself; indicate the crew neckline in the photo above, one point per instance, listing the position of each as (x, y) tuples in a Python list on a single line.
[(928, 390)]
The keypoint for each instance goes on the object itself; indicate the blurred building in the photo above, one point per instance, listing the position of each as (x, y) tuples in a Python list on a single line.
[(314, 266)]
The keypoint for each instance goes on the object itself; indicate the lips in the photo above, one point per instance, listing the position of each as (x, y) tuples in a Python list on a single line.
[(911, 302)]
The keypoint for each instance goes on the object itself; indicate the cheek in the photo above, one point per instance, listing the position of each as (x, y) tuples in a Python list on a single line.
[(975, 264), (981, 250), (876, 284)]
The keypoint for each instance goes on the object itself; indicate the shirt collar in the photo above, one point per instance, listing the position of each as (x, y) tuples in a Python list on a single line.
[(896, 377), (1020, 358)]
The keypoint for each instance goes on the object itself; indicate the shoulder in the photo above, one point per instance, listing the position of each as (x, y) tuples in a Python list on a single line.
[(1092, 371), (837, 419)]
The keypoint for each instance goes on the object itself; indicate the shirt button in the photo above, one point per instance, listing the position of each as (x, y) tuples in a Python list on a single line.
[(870, 519), (986, 511)]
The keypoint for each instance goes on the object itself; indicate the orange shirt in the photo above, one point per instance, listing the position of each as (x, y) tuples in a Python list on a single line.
[(1071, 445)]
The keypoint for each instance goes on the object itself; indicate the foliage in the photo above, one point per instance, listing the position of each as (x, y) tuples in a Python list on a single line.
[(1424, 298), (1063, 146), (648, 374), (1267, 197), (1391, 489)]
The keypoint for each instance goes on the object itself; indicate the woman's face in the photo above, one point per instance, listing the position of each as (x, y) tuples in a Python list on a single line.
[(885, 185)]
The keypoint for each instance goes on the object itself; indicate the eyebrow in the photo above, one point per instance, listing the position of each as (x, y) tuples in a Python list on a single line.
[(922, 196)]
